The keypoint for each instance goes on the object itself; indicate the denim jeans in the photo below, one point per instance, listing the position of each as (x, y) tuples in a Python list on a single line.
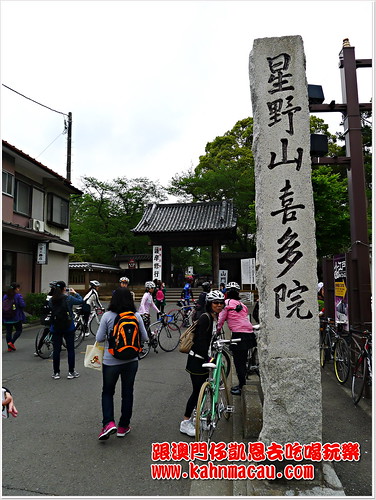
[(9, 329), (111, 373), (57, 341)]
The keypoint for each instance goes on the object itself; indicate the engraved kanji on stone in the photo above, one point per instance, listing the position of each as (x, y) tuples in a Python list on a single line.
[(288, 210), (275, 112), (278, 65), (285, 161), (291, 255), (293, 294)]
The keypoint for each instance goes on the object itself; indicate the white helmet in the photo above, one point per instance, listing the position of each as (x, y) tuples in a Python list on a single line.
[(124, 279), (215, 295), (150, 284), (95, 283), (232, 284)]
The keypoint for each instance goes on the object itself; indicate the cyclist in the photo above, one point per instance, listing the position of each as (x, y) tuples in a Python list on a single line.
[(92, 299), (236, 315), (124, 282), (147, 302), (201, 301), (199, 354), (46, 315)]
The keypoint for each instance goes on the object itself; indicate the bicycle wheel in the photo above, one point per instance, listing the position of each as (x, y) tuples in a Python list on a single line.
[(223, 396), (43, 343), (359, 378), (204, 416), (169, 336), (145, 350), (324, 348), (79, 335), (341, 360), (226, 360), (94, 324)]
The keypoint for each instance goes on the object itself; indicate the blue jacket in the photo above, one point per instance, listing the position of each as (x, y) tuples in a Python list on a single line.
[(72, 300), (20, 305)]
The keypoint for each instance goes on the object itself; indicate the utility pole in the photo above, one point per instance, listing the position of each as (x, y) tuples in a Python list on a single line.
[(69, 147)]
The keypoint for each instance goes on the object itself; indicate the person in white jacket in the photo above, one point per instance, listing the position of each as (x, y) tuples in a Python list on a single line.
[(236, 315)]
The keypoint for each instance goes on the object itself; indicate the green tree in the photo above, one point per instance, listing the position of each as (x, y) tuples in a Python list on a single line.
[(225, 171), (102, 218)]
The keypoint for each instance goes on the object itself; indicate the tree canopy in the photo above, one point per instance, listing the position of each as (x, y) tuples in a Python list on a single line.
[(102, 218)]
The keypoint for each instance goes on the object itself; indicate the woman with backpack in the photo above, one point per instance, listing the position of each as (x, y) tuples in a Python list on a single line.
[(113, 367), (236, 315), (62, 325), (199, 354), (13, 314), (147, 302)]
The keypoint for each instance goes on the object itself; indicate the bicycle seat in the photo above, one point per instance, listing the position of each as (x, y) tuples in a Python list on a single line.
[(256, 327), (209, 365)]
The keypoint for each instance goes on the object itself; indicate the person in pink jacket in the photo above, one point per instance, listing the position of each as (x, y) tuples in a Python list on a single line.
[(236, 315), (147, 302)]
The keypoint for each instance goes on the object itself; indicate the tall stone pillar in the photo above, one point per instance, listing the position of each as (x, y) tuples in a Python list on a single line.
[(286, 245)]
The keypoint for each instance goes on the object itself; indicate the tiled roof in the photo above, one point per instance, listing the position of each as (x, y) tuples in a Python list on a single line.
[(91, 266), (187, 217), (134, 256)]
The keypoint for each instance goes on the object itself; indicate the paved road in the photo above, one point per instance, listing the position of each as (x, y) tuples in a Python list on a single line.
[(51, 449)]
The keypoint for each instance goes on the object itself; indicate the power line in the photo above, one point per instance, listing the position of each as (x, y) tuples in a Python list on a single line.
[(36, 102), (50, 144)]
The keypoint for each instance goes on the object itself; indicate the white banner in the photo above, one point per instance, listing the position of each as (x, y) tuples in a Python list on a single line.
[(248, 269), (157, 262), (222, 276)]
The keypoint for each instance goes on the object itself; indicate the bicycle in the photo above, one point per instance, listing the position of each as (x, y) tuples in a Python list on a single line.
[(226, 353), (213, 400), (334, 346), (166, 335), (183, 315), (362, 372), (253, 358)]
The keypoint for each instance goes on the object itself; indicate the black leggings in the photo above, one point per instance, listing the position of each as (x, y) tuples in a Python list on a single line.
[(197, 381), (240, 362)]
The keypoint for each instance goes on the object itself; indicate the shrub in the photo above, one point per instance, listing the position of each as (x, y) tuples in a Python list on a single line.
[(35, 303)]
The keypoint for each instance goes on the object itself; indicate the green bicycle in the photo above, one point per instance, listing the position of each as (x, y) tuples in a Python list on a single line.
[(213, 400)]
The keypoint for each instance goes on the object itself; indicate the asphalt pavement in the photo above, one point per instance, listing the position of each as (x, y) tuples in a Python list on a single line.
[(51, 448)]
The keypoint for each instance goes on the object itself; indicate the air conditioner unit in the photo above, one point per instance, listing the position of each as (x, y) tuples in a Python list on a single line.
[(37, 225)]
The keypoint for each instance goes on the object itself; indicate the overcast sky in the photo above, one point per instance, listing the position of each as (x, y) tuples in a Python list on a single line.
[(149, 83)]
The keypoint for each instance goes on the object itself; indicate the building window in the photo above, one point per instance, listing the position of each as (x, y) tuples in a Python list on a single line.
[(8, 183), (57, 210), (22, 198), (9, 269)]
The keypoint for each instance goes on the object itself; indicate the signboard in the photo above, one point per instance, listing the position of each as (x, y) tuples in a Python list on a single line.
[(157, 262), (131, 264), (223, 276), (340, 291), (42, 254), (248, 270)]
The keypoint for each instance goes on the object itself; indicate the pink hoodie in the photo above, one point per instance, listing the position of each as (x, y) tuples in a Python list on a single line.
[(237, 321)]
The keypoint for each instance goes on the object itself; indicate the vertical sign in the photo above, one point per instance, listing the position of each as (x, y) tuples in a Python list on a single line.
[(340, 291), (42, 253), (286, 245), (248, 271), (222, 276), (157, 262)]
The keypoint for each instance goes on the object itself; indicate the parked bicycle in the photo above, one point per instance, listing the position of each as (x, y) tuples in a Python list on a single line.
[(183, 316), (93, 321), (213, 400), (226, 353), (362, 373), (163, 332), (334, 344)]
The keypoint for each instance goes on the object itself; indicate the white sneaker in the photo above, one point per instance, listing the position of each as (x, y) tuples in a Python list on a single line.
[(73, 374), (187, 427), (87, 334)]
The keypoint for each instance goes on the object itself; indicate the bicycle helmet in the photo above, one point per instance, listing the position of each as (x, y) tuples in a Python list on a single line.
[(232, 284), (95, 283), (215, 295), (206, 286), (124, 279), (150, 284), (52, 284)]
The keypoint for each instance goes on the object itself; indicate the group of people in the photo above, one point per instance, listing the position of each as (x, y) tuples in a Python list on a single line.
[(212, 311)]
